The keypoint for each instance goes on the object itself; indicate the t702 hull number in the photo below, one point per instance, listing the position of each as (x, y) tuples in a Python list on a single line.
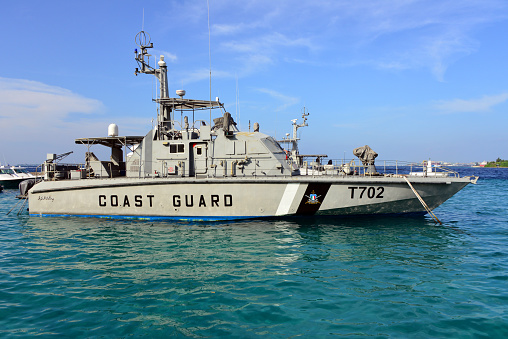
[(366, 192)]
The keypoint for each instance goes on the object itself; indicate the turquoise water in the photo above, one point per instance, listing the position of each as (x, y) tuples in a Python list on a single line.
[(300, 277)]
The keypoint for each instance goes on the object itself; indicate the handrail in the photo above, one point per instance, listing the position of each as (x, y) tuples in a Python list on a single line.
[(226, 167)]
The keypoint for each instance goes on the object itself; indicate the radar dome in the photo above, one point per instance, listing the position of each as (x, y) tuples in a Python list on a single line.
[(113, 130), (161, 62)]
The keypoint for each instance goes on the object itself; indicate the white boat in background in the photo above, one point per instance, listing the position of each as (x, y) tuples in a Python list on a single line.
[(11, 176), (22, 172)]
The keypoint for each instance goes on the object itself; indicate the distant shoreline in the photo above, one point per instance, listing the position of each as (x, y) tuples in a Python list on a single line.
[(490, 167)]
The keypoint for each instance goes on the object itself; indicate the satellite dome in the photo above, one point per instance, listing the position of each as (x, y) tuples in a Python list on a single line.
[(113, 130)]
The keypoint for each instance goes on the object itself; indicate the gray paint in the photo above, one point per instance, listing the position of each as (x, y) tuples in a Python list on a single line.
[(194, 170)]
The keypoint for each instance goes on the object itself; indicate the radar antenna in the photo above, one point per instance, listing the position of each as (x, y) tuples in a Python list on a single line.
[(293, 141), (143, 41)]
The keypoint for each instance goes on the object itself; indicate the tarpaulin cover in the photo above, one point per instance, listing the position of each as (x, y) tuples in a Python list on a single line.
[(365, 154)]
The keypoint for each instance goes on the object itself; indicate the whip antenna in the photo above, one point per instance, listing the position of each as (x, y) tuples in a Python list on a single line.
[(209, 59)]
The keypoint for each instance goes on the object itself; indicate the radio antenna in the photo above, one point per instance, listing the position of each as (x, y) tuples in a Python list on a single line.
[(143, 22), (209, 59), (237, 101)]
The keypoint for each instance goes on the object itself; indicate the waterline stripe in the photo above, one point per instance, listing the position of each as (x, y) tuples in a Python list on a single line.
[(287, 199), (149, 218)]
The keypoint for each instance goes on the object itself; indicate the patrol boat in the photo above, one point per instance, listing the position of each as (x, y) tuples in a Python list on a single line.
[(192, 169)]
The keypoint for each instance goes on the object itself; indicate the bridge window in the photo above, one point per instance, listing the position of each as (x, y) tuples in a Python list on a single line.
[(176, 148)]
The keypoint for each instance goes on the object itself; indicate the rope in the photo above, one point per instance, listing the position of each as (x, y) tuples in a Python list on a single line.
[(17, 202), (22, 206), (423, 202)]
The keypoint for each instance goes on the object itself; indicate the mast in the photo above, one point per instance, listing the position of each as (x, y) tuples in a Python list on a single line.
[(293, 141), (164, 118)]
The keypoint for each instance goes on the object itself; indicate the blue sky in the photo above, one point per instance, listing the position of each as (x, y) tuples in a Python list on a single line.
[(412, 79)]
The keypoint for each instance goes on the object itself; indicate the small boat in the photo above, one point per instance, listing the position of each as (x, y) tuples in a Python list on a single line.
[(11, 176), (189, 167), (22, 172)]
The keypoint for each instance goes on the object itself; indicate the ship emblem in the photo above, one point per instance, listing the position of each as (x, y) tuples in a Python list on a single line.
[(313, 198)]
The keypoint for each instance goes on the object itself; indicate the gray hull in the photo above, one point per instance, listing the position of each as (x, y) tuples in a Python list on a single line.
[(190, 169), (238, 198)]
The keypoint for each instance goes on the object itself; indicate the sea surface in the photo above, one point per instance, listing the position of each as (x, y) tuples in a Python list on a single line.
[(395, 277)]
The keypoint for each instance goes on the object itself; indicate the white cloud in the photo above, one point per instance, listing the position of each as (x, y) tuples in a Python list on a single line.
[(34, 115), (168, 56), (390, 35), (286, 100), (204, 73), (253, 53), (414, 34), (483, 104), (224, 29), (269, 43), (393, 34), (28, 102)]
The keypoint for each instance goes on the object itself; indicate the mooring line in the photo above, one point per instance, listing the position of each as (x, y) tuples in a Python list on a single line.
[(16, 204), (22, 206), (422, 201)]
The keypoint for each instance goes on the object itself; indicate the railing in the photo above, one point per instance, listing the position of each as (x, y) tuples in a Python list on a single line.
[(228, 167), (57, 171), (346, 167)]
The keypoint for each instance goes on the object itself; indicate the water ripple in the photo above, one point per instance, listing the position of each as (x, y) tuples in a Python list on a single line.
[(300, 277)]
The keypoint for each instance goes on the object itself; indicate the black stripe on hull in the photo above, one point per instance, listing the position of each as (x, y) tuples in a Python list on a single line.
[(313, 197)]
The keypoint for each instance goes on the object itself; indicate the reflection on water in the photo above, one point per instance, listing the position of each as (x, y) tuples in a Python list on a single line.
[(141, 248)]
